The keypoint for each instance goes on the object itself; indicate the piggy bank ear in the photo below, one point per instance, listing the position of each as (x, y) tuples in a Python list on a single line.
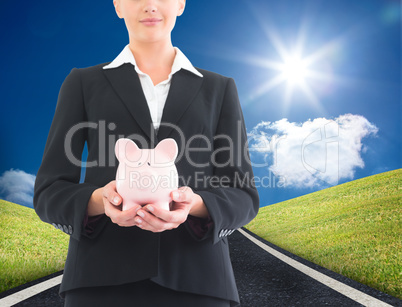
[(167, 147), (126, 149)]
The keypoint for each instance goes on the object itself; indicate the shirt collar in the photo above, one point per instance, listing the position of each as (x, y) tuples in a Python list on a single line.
[(180, 62)]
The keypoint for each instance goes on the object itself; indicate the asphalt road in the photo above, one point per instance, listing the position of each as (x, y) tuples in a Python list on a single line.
[(262, 279)]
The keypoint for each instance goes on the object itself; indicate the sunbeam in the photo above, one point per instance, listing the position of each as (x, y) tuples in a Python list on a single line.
[(300, 72)]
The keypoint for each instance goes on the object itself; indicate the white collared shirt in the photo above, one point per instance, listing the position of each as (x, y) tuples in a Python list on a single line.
[(154, 94)]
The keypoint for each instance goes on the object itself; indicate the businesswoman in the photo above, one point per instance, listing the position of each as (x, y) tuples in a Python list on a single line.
[(147, 256)]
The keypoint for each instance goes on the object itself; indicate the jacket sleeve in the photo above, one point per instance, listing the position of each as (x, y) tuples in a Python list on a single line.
[(232, 198), (59, 197)]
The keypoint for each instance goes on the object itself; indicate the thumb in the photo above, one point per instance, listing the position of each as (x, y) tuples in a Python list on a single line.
[(110, 193), (177, 196), (183, 194)]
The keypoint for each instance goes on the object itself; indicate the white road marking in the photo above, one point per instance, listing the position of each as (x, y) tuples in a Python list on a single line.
[(356, 295), (31, 291)]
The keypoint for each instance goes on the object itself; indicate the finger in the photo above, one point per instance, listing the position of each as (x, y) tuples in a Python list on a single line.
[(177, 216), (183, 194), (127, 217), (147, 222), (128, 223), (156, 223), (122, 218), (110, 193), (151, 219), (141, 223)]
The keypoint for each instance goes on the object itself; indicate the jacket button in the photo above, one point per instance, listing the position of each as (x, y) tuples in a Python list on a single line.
[(70, 230), (65, 229), (59, 227), (54, 225)]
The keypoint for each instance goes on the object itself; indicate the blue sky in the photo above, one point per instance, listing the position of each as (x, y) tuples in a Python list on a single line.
[(338, 121)]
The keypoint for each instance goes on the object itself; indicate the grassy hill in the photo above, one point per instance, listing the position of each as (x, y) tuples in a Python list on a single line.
[(354, 229), (29, 248)]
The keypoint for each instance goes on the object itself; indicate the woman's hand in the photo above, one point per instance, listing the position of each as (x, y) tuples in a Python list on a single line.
[(185, 202), (106, 200)]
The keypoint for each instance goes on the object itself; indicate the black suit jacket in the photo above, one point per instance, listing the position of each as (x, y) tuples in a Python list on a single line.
[(203, 115)]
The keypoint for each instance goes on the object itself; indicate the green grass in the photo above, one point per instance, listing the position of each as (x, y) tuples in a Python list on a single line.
[(29, 248), (353, 229)]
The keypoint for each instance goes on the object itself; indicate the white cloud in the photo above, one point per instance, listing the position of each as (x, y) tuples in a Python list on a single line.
[(314, 153), (17, 186)]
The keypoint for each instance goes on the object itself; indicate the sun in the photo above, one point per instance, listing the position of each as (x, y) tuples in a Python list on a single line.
[(294, 70), (298, 71)]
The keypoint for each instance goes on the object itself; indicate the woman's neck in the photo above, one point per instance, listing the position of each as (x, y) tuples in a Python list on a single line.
[(154, 59)]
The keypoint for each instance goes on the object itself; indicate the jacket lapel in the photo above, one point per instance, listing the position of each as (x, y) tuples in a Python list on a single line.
[(183, 89), (126, 83)]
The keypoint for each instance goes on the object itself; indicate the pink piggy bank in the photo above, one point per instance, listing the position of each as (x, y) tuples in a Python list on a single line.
[(146, 176)]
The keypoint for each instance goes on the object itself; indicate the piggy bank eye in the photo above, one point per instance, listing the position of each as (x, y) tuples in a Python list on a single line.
[(149, 163), (139, 163)]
